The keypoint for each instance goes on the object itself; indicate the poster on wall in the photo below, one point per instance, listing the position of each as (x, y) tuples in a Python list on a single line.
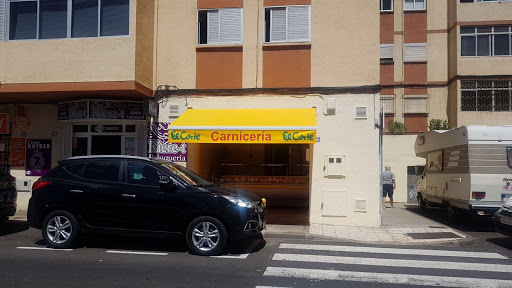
[(17, 152), (159, 146), (4, 123), (38, 157)]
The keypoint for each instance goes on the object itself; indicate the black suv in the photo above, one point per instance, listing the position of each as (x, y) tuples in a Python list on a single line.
[(140, 196), (8, 194)]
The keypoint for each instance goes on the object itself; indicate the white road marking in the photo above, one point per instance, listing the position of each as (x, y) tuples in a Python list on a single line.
[(424, 280), (43, 248), (270, 287), (137, 253), (241, 256), (394, 262), (418, 252)]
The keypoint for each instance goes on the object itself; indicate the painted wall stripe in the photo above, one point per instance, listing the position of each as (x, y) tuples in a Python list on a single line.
[(137, 253), (423, 280), (394, 262), (444, 253)]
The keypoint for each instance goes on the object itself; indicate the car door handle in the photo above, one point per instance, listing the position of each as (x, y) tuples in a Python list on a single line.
[(76, 191), (128, 195)]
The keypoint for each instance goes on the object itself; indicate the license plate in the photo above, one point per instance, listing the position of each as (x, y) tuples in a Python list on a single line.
[(506, 221)]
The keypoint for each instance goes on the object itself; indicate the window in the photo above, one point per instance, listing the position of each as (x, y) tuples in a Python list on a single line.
[(143, 174), (220, 26), (415, 52), (414, 5), (486, 95), (415, 104), (57, 19), (435, 161), (288, 24), (486, 41), (389, 103), (387, 53), (386, 5), (104, 171)]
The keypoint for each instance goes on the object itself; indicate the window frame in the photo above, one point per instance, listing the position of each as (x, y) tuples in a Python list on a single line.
[(69, 16), (414, 45), (424, 97), (219, 43), (476, 89), (286, 25), (414, 5), (475, 34), (388, 60), (388, 98), (392, 6)]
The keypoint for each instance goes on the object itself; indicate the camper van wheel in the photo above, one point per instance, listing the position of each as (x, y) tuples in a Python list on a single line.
[(451, 211), (422, 203)]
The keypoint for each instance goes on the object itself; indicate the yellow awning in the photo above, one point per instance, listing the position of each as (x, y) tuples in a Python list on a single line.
[(245, 126)]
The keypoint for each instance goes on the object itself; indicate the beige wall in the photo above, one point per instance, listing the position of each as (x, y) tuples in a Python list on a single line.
[(438, 103), (398, 152), (345, 43), (484, 65), (437, 64), (490, 11), (70, 60), (144, 43), (437, 15)]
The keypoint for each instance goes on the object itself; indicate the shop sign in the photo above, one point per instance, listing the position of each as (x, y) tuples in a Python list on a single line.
[(106, 128), (4, 123), (150, 107), (39, 157), (101, 109), (73, 110), (18, 152), (247, 136), (161, 147)]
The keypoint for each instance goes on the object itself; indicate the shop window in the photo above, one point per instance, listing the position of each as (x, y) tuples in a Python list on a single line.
[(104, 171), (80, 128), (130, 128)]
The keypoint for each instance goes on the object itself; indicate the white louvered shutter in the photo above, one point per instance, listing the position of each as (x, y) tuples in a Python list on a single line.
[(386, 51), (2, 19), (298, 23), (415, 52), (278, 25), (213, 27), (231, 25)]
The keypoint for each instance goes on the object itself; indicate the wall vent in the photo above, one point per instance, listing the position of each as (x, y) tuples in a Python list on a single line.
[(174, 110), (360, 205)]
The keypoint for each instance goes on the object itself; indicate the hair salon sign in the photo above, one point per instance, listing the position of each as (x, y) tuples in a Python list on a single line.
[(160, 147)]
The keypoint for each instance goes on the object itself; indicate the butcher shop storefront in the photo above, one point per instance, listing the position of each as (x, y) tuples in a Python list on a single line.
[(262, 151)]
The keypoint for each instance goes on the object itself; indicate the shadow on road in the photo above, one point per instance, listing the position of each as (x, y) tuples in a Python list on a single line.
[(12, 227)]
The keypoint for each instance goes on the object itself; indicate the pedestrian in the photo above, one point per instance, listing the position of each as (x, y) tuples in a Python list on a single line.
[(388, 185)]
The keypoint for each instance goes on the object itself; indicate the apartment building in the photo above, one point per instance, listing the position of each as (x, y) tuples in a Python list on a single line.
[(276, 97), (447, 60)]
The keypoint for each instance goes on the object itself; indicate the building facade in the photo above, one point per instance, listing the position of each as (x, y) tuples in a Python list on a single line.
[(447, 60), (74, 75)]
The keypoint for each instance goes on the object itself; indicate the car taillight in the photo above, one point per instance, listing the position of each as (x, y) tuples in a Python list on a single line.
[(12, 180), (40, 184), (478, 195)]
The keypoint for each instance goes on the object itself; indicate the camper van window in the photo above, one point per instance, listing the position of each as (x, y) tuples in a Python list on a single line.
[(509, 156), (435, 161)]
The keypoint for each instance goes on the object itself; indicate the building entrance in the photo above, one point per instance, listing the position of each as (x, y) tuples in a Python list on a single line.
[(105, 140), (106, 145)]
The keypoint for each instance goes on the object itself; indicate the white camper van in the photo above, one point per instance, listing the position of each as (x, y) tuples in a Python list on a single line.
[(467, 168)]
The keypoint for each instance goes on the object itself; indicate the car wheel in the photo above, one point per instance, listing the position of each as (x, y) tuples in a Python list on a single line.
[(206, 236), (60, 230), (3, 219)]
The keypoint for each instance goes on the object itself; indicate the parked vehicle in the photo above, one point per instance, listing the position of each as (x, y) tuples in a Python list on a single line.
[(8, 195), (503, 218), (140, 196), (467, 168)]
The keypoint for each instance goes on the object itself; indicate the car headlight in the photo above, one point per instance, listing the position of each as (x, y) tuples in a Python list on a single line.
[(239, 202)]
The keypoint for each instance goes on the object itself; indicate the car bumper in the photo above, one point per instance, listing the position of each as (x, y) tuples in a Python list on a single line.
[(250, 225), (503, 222), (7, 209)]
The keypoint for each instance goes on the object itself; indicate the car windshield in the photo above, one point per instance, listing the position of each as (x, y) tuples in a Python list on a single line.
[(183, 173)]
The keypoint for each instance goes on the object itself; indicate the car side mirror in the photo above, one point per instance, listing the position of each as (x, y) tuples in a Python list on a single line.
[(169, 186)]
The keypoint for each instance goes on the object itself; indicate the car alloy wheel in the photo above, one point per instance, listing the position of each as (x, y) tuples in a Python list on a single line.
[(59, 229), (206, 236)]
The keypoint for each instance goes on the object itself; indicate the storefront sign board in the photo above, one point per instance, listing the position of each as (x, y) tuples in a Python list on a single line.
[(243, 136), (39, 157), (101, 109), (18, 152), (161, 147), (73, 110)]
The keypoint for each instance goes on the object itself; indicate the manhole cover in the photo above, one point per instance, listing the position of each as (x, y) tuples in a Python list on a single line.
[(436, 235)]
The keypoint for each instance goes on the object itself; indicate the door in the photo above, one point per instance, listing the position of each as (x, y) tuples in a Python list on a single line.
[(156, 210), (106, 145)]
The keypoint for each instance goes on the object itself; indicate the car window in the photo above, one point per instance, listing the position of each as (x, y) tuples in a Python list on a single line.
[(105, 171), (74, 169), (143, 174), (188, 176)]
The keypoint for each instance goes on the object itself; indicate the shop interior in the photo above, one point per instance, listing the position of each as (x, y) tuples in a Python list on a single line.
[(277, 172)]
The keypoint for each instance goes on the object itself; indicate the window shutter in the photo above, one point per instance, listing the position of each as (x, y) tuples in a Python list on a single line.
[(386, 51), (2, 19), (415, 104), (231, 25), (298, 23), (213, 27), (415, 52), (278, 25)]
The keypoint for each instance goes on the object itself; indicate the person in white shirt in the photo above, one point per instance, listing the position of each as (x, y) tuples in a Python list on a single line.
[(388, 185)]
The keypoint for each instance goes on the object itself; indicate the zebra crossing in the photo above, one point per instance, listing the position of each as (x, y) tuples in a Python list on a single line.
[(314, 265)]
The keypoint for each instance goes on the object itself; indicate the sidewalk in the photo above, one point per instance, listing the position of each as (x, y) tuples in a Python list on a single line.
[(399, 226)]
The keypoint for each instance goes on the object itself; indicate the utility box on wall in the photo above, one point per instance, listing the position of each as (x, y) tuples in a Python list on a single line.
[(23, 185), (334, 165)]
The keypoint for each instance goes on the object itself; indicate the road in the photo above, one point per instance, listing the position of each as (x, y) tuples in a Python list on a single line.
[(280, 261)]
